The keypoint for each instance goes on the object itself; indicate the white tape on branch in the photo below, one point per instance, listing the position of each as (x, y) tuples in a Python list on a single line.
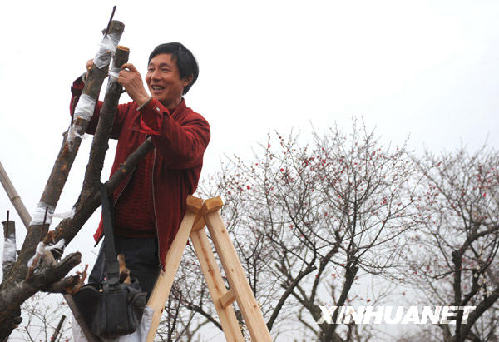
[(114, 73), (9, 250), (84, 108), (73, 133), (65, 214), (39, 214), (42, 248), (107, 48)]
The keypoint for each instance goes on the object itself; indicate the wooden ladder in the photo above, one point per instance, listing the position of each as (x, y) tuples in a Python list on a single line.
[(199, 214)]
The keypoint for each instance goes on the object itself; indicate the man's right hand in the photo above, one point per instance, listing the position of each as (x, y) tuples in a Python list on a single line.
[(89, 64)]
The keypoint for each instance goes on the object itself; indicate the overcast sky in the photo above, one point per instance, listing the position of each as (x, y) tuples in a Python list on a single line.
[(428, 69)]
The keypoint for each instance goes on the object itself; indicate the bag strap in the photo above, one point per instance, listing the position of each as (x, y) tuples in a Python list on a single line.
[(112, 265)]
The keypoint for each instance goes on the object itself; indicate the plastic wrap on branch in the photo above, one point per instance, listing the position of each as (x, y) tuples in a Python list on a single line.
[(83, 112), (9, 250), (65, 214), (41, 249), (114, 72), (107, 48), (9, 246), (84, 108), (39, 218)]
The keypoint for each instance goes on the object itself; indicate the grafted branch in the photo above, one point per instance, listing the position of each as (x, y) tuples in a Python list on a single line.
[(60, 171), (69, 149), (46, 274)]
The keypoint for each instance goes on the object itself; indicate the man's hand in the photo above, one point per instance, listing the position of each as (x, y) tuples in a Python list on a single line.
[(131, 80), (89, 64)]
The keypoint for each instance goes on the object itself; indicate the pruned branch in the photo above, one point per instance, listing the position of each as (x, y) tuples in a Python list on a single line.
[(104, 127), (70, 145)]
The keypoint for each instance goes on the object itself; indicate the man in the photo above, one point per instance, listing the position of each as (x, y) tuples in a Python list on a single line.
[(150, 204)]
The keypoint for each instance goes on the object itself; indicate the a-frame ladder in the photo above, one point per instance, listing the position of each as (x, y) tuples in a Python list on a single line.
[(198, 215)]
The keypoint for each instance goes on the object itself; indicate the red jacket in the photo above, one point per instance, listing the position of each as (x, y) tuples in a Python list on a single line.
[(180, 139)]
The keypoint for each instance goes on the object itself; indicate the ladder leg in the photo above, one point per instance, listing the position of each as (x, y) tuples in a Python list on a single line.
[(235, 273), (216, 285), (161, 290)]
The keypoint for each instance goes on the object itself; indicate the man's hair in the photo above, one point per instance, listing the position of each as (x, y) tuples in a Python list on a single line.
[(185, 60)]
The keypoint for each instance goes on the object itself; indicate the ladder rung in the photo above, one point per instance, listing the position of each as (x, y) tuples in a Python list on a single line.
[(227, 299)]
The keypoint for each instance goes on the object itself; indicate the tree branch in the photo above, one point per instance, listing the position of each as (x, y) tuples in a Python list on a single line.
[(13, 297)]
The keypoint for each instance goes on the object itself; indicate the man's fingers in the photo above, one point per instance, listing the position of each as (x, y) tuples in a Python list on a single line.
[(129, 66), (89, 63)]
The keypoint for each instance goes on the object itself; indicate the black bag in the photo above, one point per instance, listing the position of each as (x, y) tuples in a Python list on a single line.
[(119, 311), (116, 309)]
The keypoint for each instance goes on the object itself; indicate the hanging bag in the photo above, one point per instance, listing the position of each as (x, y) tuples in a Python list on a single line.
[(117, 308)]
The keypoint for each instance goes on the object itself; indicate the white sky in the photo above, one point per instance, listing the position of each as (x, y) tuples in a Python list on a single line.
[(427, 69)]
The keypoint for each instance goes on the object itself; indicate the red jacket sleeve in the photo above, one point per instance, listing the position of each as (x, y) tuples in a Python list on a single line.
[(76, 91), (182, 142)]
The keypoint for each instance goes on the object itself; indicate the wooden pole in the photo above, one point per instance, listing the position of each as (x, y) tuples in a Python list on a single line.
[(14, 198), (237, 279), (164, 283)]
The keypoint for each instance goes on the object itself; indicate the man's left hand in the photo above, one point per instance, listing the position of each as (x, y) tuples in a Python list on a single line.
[(131, 80)]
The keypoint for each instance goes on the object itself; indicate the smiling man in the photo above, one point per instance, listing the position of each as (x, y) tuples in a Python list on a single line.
[(150, 204)]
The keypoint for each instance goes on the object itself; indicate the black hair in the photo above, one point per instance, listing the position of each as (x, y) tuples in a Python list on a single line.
[(183, 57)]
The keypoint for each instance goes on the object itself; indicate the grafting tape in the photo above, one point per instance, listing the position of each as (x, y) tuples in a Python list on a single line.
[(39, 214), (9, 250), (114, 73), (42, 248), (107, 48), (66, 214), (84, 108)]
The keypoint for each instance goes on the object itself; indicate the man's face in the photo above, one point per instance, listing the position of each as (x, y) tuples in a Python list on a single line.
[(163, 80)]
